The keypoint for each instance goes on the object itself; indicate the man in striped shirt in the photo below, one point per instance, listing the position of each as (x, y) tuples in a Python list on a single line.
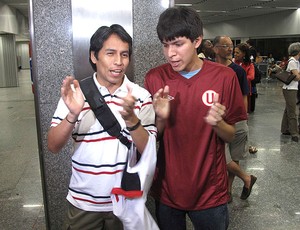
[(99, 159)]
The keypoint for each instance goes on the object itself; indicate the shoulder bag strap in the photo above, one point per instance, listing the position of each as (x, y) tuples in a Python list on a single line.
[(101, 110)]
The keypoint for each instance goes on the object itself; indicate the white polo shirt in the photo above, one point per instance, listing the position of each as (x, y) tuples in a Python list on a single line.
[(99, 159)]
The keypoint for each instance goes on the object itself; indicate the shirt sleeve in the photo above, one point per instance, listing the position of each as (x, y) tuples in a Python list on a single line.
[(146, 113), (60, 113), (235, 108), (292, 65), (250, 72)]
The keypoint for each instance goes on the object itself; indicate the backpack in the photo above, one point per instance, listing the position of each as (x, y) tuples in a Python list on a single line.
[(257, 75)]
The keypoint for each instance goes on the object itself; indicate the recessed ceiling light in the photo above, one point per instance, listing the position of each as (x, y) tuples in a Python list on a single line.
[(183, 4), (212, 11)]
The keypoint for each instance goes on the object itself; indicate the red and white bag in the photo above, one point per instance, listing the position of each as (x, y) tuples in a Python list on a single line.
[(130, 198)]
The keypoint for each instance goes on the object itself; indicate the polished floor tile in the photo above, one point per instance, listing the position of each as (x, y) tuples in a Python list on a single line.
[(20, 181), (274, 203)]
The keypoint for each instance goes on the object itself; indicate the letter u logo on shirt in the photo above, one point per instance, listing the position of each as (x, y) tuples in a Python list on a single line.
[(207, 97)]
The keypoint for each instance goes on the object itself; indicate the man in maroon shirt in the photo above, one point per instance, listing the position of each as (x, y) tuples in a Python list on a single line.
[(196, 105)]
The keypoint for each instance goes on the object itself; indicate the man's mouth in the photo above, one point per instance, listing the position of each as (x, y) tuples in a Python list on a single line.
[(174, 63), (116, 71)]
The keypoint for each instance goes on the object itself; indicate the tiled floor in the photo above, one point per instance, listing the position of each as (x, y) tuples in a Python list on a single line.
[(273, 205), (20, 181), (275, 200)]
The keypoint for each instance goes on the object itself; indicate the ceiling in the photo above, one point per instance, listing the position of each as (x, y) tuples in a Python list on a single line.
[(21, 5), (211, 11)]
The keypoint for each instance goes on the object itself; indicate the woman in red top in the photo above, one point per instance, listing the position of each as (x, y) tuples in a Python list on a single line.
[(242, 58)]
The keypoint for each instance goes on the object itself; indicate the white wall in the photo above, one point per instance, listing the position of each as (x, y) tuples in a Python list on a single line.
[(285, 23), (8, 61), (8, 20), (22, 50)]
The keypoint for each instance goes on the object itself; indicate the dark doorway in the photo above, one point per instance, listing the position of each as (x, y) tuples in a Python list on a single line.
[(276, 46)]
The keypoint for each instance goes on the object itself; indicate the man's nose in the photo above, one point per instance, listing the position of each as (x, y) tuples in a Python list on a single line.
[(171, 51)]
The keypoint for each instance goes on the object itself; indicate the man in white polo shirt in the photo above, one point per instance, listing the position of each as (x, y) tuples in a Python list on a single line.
[(98, 158)]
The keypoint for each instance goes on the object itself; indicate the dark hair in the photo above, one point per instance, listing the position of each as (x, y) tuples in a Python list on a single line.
[(216, 40), (201, 48), (250, 42), (246, 50), (102, 34), (179, 22)]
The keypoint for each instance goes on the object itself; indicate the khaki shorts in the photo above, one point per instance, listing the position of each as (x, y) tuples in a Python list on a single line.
[(77, 219), (237, 149)]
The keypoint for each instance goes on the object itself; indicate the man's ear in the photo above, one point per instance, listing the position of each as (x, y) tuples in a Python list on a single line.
[(198, 41), (215, 49), (93, 58)]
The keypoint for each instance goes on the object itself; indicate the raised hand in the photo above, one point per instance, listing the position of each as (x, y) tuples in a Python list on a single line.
[(216, 112), (72, 95), (128, 104), (161, 103)]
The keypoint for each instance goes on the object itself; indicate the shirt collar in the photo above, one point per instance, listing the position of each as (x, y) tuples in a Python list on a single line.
[(122, 88)]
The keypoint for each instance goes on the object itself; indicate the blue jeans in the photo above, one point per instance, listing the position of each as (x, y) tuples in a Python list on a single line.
[(209, 219)]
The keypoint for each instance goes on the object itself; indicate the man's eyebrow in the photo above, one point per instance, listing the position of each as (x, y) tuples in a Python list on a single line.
[(114, 50), (172, 41), (110, 49)]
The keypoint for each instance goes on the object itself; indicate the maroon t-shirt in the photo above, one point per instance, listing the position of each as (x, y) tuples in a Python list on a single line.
[(191, 169)]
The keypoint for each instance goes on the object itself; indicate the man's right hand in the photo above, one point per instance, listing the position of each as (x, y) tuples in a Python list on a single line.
[(161, 103), (72, 96)]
